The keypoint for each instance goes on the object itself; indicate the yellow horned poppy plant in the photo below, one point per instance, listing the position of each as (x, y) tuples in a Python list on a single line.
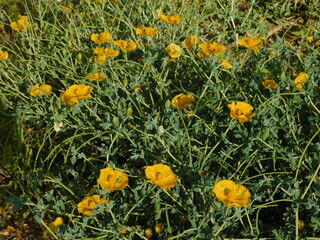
[(252, 43), (182, 101), (56, 223), (270, 84), (241, 111), (174, 50), (301, 79), (146, 31), (41, 90), (3, 55), (96, 76), (171, 19), (191, 41), (104, 37), (232, 194), (112, 179), (89, 203), (161, 175), (21, 25), (212, 48), (75, 93), (125, 46)]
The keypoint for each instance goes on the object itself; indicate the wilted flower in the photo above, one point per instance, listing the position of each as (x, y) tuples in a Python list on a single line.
[(125, 46), (146, 31), (67, 9), (104, 37), (270, 83), (161, 175), (232, 194), (158, 228), (41, 90), (148, 232), (241, 111), (3, 55), (224, 63), (182, 101), (89, 203), (57, 126), (171, 19), (191, 41), (212, 48), (174, 50), (201, 54), (112, 179), (75, 93), (96, 76), (252, 43), (301, 79), (22, 24), (56, 223)]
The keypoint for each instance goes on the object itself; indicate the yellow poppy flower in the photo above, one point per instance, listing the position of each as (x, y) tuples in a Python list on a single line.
[(89, 203), (270, 83), (232, 194), (3, 55), (310, 39), (112, 179), (191, 41), (96, 76), (56, 223), (75, 93), (212, 48), (182, 101), (104, 37), (224, 63), (252, 43), (158, 228), (171, 19), (241, 111), (146, 31), (125, 46), (201, 54), (21, 25), (300, 80), (161, 175), (174, 50), (41, 90)]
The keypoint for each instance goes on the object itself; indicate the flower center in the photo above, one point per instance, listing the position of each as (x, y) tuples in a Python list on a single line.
[(159, 176), (111, 178), (230, 194)]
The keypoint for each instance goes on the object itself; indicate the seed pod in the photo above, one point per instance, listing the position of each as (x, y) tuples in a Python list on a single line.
[(79, 56), (129, 111), (115, 121)]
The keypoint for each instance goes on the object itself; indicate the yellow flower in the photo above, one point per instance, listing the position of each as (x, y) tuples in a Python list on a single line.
[(174, 50), (301, 79), (310, 39), (191, 41), (103, 37), (182, 101), (158, 228), (125, 46), (89, 203), (224, 63), (270, 83), (112, 179), (41, 90), (171, 19), (146, 31), (241, 111), (67, 9), (103, 53), (96, 76), (22, 24), (300, 223), (252, 43), (148, 232), (232, 194), (75, 93), (318, 42), (3, 55), (161, 175), (56, 223), (201, 54), (212, 48)]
